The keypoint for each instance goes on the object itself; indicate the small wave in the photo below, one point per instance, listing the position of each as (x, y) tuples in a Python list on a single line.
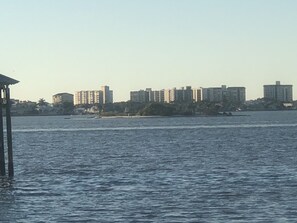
[(6, 182), (155, 128)]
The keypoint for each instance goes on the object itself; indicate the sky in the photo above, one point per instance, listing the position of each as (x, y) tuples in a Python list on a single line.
[(55, 46)]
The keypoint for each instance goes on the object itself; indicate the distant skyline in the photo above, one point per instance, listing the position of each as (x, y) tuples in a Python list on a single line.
[(72, 45)]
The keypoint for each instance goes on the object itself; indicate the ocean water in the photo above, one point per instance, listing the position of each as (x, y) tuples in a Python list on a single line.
[(182, 169)]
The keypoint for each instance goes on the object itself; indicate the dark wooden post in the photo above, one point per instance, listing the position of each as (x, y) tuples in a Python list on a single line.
[(4, 88), (9, 133), (2, 154)]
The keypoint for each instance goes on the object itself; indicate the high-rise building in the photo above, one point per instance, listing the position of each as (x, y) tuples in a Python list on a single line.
[(219, 94), (94, 97), (196, 95), (278, 92), (178, 95), (81, 98), (62, 98), (107, 95), (168, 95), (140, 96), (150, 94), (84, 97), (236, 94), (187, 94), (147, 95), (91, 97), (99, 97), (77, 98), (214, 94), (158, 96), (161, 95)]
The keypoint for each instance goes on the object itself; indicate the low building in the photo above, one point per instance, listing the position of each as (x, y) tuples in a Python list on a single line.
[(62, 98), (23, 107)]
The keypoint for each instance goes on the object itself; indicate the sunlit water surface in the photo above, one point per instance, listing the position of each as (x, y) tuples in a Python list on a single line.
[(182, 169)]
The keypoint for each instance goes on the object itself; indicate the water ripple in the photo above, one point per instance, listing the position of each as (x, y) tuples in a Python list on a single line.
[(241, 169), (156, 128)]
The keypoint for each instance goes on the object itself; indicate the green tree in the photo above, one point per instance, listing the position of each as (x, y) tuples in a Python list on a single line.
[(67, 108), (158, 109), (42, 102)]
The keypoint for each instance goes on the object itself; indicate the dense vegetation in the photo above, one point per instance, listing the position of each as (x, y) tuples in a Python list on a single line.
[(148, 109), (162, 109)]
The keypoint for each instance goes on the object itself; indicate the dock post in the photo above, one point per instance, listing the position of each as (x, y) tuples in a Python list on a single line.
[(2, 154), (9, 133), (5, 94)]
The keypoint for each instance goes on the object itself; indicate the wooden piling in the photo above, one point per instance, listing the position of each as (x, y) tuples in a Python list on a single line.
[(9, 133), (4, 88), (2, 152)]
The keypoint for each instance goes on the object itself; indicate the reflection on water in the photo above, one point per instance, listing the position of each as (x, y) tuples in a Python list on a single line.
[(6, 182), (217, 169), (7, 199)]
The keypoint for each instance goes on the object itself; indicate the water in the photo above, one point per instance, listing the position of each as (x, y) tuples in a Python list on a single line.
[(187, 169)]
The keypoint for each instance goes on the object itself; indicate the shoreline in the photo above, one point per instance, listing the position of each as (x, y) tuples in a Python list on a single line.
[(233, 114)]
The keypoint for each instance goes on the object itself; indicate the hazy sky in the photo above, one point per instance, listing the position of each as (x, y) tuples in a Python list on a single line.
[(54, 46)]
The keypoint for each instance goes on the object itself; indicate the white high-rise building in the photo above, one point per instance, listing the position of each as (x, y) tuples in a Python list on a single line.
[(158, 96), (93, 97), (196, 94), (169, 95), (161, 96), (81, 98)]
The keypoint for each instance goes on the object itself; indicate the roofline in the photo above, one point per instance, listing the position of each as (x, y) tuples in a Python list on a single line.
[(62, 94), (4, 80)]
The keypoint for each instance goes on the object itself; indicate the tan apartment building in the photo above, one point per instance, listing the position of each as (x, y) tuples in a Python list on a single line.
[(62, 98)]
